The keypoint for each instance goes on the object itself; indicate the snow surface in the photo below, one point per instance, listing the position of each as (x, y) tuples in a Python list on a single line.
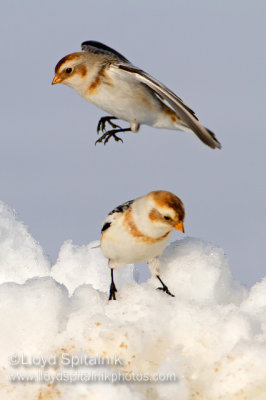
[(212, 335)]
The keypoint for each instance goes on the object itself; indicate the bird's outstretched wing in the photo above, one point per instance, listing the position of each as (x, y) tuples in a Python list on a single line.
[(92, 46), (183, 111)]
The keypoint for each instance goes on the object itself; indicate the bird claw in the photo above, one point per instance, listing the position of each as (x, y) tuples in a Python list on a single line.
[(102, 123), (164, 287), (166, 290), (107, 135), (112, 133), (112, 292)]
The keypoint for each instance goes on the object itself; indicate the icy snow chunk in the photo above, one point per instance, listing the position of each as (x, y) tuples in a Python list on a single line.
[(21, 257), (255, 307), (77, 265), (240, 374), (31, 315), (256, 300), (93, 391), (200, 271)]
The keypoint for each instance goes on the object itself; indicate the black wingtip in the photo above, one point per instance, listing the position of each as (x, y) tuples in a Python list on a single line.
[(98, 47), (217, 144)]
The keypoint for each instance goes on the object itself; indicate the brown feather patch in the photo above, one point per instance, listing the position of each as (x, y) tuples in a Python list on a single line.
[(168, 199), (81, 70), (174, 117), (101, 77), (69, 57), (138, 235), (94, 85), (144, 99), (154, 215)]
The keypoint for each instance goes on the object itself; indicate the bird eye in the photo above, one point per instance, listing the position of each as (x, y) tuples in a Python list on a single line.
[(167, 218), (68, 70)]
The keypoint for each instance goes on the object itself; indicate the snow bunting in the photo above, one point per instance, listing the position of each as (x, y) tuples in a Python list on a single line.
[(107, 79), (139, 231)]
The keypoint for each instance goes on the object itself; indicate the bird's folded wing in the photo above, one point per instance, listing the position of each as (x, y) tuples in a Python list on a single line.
[(183, 111), (121, 208), (115, 214)]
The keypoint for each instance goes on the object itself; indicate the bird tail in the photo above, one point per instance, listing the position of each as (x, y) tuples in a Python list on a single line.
[(216, 141), (208, 137)]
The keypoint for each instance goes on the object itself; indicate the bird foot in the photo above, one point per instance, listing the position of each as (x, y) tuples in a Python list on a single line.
[(112, 292), (102, 123), (166, 290), (107, 135), (164, 287)]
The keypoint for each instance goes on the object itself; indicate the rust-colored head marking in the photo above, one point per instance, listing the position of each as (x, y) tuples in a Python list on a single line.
[(68, 66), (69, 57), (164, 199)]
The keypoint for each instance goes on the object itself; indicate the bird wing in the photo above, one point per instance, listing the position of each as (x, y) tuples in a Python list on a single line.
[(183, 111), (115, 213), (92, 46), (122, 208)]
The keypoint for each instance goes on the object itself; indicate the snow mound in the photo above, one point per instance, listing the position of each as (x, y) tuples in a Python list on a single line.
[(21, 257), (77, 265), (206, 343)]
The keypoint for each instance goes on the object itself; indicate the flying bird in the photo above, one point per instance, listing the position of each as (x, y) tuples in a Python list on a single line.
[(139, 230), (107, 79)]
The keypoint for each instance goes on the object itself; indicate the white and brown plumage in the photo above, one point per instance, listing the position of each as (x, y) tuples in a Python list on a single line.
[(139, 230), (107, 79)]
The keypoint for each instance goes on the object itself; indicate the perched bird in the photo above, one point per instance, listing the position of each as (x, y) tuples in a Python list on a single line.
[(107, 79), (139, 231)]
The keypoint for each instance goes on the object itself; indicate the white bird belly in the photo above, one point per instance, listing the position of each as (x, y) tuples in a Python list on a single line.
[(123, 248), (126, 101)]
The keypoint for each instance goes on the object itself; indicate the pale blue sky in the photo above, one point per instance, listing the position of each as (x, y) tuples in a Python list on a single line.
[(212, 54)]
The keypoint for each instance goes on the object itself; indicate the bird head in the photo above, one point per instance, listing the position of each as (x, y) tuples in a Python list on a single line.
[(166, 210), (72, 70)]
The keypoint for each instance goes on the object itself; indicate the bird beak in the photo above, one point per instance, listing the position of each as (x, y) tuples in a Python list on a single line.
[(56, 80), (180, 226)]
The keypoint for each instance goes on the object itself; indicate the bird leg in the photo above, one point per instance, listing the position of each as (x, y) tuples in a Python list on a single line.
[(154, 265), (164, 288), (102, 122), (112, 287), (112, 133)]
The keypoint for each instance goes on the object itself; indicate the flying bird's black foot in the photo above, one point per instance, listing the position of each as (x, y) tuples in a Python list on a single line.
[(107, 135), (102, 123), (164, 287), (112, 287)]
